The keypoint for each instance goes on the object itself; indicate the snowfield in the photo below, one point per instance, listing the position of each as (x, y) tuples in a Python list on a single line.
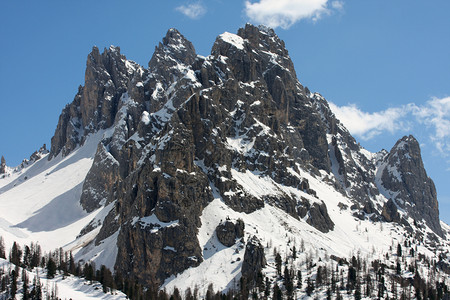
[(41, 202)]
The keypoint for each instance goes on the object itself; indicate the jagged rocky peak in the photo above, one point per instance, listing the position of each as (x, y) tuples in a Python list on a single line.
[(406, 181), (106, 79), (266, 40), (96, 103), (176, 46), (255, 53), (254, 260)]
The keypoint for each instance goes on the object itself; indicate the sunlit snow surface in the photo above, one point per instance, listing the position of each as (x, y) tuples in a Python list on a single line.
[(41, 202), (233, 39)]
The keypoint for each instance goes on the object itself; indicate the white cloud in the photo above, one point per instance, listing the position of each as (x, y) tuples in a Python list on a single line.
[(433, 116), (285, 13), (368, 125), (338, 5), (192, 10)]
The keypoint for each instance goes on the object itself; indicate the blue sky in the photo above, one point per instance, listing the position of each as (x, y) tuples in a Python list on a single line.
[(385, 65)]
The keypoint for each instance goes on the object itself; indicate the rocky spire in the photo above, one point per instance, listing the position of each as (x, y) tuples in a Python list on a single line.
[(3, 166), (96, 103), (175, 45), (405, 176)]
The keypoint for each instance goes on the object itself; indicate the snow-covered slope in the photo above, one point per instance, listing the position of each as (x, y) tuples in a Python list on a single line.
[(41, 203)]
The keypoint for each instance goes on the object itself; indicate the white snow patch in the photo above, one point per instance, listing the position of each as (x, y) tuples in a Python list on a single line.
[(155, 224), (233, 39), (255, 185)]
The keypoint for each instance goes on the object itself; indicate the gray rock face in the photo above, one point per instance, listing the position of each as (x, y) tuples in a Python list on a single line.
[(254, 260), (96, 103), (3, 166), (102, 175), (227, 232), (317, 215), (353, 171), (390, 212), (403, 173)]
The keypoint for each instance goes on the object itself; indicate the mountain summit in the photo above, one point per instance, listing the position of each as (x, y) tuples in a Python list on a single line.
[(205, 164)]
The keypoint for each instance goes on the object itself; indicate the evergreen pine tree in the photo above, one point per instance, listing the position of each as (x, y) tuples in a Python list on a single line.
[(187, 294), (277, 295), (176, 294), (299, 279), (309, 286), (278, 263), (319, 278), (107, 279), (357, 291), (244, 288), (338, 295), (210, 292), (51, 268), (13, 287), (368, 285), (27, 257), (35, 255), (88, 272), (328, 294), (25, 293), (267, 288), (2, 248), (351, 278), (288, 282), (36, 292), (72, 266), (16, 254)]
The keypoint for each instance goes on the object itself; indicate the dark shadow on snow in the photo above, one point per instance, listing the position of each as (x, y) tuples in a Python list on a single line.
[(60, 212)]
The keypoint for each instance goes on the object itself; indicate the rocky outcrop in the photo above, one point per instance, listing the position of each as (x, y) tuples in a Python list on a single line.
[(37, 155), (3, 166), (254, 260), (227, 232), (403, 175), (102, 175), (390, 212), (317, 215)]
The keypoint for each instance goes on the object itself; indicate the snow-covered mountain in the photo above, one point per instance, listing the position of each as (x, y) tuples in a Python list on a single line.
[(200, 170)]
